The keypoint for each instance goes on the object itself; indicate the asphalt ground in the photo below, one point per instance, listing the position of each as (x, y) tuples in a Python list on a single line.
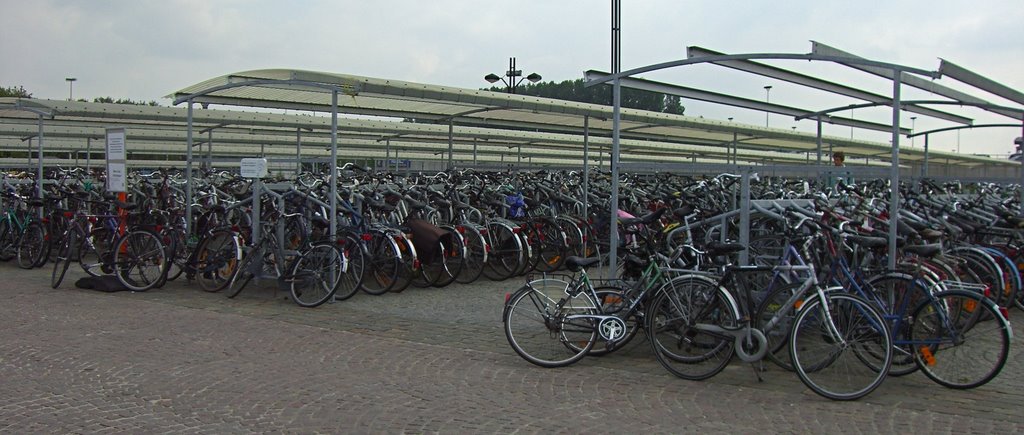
[(179, 360)]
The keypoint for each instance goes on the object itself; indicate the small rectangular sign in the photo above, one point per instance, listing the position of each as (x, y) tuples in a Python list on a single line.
[(117, 160), (115, 145), (116, 177), (254, 168)]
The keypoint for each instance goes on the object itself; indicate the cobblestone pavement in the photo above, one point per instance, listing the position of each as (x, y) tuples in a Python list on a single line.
[(180, 360)]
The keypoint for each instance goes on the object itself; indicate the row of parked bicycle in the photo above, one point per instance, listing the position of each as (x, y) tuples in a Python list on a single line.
[(819, 298), (817, 295)]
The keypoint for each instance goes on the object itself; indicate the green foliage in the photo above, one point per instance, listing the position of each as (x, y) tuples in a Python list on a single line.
[(573, 90), (12, 91), (124, 101)]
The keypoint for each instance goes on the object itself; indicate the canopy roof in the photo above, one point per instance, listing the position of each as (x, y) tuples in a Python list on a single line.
[(497, 125), (310, 90)]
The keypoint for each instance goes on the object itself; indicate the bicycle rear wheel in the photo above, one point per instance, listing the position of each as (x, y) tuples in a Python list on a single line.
[(315, 275), (355, 259), (841, 349), (140, 260), (383, 260), (537, 324), (217, 259), (960, 339)]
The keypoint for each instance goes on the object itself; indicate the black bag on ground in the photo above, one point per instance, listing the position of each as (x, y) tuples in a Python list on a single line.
[(104, 283)]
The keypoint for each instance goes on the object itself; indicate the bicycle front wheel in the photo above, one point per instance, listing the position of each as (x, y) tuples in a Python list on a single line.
[(65, 251), (31, 245), (960, 339), (841, 349), (681, 323), (540, 326)]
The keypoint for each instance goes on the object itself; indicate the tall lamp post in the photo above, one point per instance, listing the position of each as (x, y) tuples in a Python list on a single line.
[(913, 121), (512, 75), (767, 92), (71, 86)]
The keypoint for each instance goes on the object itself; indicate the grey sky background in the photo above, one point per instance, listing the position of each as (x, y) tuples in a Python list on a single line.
[(144, 50)]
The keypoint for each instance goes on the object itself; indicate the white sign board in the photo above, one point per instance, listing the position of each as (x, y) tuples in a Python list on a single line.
[(117, 160), (116, 176), (254, 168)]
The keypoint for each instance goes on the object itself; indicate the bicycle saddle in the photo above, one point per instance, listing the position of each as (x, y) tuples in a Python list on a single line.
[(927, 251), (867, 241), (646, 219), (718, 248), (574, 263)]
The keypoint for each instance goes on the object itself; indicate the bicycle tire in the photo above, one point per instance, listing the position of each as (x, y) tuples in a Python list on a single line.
[(384, 259), (778, 335), (250, 266), (64, 258), (31, 245), (476, 255), (536, 326), (7, 239), (216, 260), (140, 260), (355, 260), (684, 349), (962, 332), (315, 275), (898, 285), (94, 252), (822, 363), (506, 252), (455, 259)]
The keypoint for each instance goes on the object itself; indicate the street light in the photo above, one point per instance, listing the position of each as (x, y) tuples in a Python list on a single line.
[(913, 121), (767, 92), (71, 85), (512, 73)]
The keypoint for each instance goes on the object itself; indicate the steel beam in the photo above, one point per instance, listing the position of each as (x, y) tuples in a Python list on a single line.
[(816, 83)]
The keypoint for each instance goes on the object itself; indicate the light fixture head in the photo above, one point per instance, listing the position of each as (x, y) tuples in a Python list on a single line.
[(534, 77), (491, 78)]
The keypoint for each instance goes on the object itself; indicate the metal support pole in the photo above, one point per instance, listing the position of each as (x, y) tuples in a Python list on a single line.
[(924, 167), (188, 171), (39, 175), (735, 149), (819, 141), (257, 227), (613, 237), (88, 156), (474, 151), (450, 146), (209, 150), (894, 189), (28, 152), (298, 151), (334, 165), (586, 166), (744, 217), (387, 155), (1022, 168)]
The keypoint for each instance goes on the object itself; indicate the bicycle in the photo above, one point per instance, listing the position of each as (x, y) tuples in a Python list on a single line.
[(839, 344)]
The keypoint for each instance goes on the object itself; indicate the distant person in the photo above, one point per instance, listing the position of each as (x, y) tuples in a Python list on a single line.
[(839, 176)]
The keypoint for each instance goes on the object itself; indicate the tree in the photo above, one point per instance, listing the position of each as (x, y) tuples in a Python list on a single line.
[(124, 101), (12, 91), (573, 90)]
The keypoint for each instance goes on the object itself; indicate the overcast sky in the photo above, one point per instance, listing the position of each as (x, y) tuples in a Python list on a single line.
[(144, 50)]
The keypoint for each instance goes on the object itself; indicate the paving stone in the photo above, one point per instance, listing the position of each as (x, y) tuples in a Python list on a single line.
[(179, 360)]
